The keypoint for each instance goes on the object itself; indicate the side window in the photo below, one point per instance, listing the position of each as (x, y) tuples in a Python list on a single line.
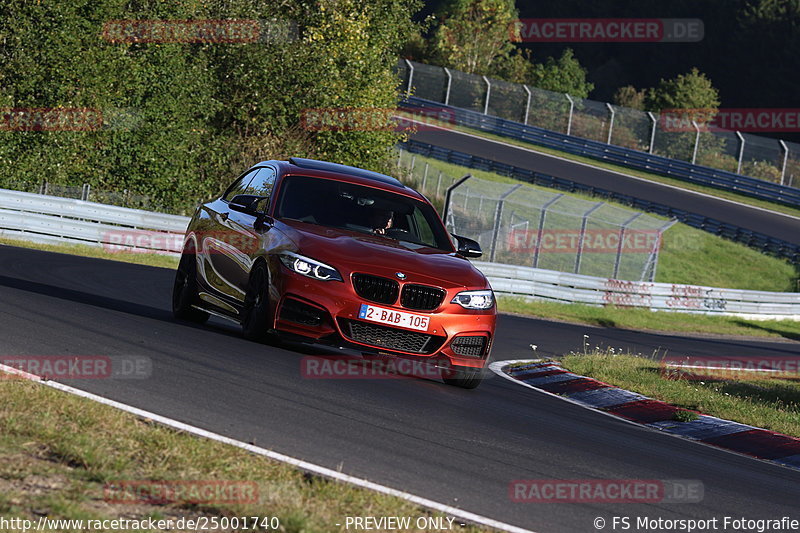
[(239, 186), (262, 183)]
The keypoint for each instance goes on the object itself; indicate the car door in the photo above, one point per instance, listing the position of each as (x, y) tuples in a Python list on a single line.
[(249, 239), (221, 242)]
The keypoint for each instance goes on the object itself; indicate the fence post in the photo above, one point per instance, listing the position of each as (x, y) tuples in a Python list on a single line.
[(449, 83), (579, 253), (449, 193), (696, 141), (488, 95), (545, 207), (571, 110), (410, 77), (741, 152), (438, 184), (85, 192), (498, 214), (652, 132), (425, 177), (527, 104), (621, 239), (785, 160), (610, 121)]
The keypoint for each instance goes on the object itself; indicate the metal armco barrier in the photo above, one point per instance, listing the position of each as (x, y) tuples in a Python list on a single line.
[(533, 283), (758, 241), (700, 175), (55, 220)]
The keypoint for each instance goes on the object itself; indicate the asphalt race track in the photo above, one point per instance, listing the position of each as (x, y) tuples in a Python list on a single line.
[(759, 220), (454, 446)]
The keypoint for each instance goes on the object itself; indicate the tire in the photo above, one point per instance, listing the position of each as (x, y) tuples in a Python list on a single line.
[(255, 316), (462, 376), (184, 291)]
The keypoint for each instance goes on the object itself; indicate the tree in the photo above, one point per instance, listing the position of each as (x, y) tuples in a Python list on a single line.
[(692, 90), (563, 75), (628, 96), (474, 34)]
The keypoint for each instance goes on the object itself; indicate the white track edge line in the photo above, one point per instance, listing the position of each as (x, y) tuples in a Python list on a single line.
[(617, 172), (298, 463)]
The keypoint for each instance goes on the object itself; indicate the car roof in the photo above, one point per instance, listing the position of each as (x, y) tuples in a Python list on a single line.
[(313, 167)]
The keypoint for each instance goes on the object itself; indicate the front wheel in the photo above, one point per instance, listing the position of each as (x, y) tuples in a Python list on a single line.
[(255, 323), (462, 376), (184, 291)]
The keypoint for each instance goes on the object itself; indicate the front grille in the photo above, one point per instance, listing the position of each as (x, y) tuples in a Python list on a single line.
[(301, 313), (390, 338), (468, 346), (376, 288), (421, 297)]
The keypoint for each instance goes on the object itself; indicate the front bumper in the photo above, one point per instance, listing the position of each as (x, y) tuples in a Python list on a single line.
[(323, 310)]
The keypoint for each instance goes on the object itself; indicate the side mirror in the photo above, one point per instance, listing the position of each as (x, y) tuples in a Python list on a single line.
[(468, 247), (245, 203)]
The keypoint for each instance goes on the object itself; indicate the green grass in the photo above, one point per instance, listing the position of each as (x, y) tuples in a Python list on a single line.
[(729, 195), (643, 319), (57, 451), (770, 404), (688, 255)]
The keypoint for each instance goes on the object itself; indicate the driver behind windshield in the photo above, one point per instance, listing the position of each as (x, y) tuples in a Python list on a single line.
[(381, 220)]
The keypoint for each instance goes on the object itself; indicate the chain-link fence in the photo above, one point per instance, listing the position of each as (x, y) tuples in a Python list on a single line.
[(523, 225), (751, 155)]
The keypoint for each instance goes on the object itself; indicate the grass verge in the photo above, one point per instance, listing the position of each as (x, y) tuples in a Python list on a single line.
[(158, 260), (643, 319), (770, 404), (58, 452), (728, 195)]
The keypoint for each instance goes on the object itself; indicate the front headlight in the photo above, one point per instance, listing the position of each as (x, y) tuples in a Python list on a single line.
[(309, 267), (474, 299)]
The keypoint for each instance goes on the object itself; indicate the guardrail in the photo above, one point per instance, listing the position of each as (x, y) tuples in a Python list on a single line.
[(50, 219), (759, 241), (635, 159), (533, 283)]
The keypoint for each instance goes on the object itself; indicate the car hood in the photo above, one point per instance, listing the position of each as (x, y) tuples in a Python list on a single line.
[(351, 251)]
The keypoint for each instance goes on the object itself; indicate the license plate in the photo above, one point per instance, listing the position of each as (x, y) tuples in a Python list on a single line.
[(394, 318)]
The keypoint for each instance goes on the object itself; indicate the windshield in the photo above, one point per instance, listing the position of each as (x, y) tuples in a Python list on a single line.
[(342, 205)]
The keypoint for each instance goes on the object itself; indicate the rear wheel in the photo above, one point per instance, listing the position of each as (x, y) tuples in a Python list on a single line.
[(255, 323), (462, 376), (184, 291)]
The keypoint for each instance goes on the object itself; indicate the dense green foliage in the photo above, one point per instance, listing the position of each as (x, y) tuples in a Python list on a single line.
[(180, 120)]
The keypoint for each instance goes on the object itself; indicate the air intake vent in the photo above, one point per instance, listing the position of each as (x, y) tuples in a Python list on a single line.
[(390, 338)]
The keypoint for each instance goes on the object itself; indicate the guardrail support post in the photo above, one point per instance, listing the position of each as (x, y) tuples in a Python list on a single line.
[(652, 132), (621, 239), (741, 152), (696, 141), (498, 214), (585, 220), (571, 111), (488, 95), (785, 160), (527, 104), (610, 122), (449, 83), (410, 77), (449, 194), (542, 217)]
